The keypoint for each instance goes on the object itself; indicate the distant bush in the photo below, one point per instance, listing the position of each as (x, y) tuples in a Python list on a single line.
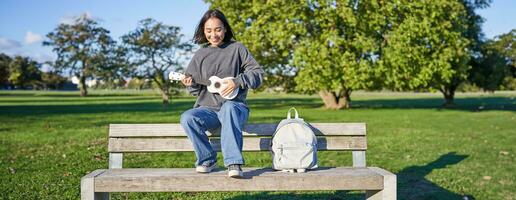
[(509, 83), (468, 87)]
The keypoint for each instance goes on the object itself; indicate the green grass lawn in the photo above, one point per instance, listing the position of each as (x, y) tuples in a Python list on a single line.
[(49, 140)]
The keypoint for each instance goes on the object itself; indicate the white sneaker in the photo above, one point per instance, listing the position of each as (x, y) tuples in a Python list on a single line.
[(235, 171), (206, 167)]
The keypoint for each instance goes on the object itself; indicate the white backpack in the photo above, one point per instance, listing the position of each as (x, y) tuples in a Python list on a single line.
[(294, 145)]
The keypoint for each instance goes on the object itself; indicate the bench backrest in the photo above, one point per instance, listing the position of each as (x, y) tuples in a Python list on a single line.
[(124, 138)]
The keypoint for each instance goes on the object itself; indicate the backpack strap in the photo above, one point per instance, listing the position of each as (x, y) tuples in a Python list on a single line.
[(296, 114)]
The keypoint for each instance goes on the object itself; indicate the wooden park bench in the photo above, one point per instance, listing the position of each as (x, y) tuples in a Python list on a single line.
[(133, 138)]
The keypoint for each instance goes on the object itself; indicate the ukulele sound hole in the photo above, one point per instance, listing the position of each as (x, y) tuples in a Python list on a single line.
[(217, 85)]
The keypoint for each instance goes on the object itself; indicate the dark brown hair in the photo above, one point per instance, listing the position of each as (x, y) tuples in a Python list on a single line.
[(200, 38)]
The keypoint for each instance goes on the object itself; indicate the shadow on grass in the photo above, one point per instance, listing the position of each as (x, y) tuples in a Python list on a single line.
[(95, 108), (179, 105), (465, 103), (292, 195), (81, 100), (67, 93), (284, 103), (473, 104), (412, 184)]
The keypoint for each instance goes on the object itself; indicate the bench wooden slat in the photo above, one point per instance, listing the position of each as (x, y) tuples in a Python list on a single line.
[(175, 130), (250, 144), (255, 179)]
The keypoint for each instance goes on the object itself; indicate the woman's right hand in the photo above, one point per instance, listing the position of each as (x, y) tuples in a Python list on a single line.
[(187, 81)]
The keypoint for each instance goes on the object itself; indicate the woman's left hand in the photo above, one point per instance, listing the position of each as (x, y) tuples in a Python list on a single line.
[(230, 86)]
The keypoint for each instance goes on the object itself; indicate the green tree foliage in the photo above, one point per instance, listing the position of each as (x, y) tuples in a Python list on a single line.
[(490, 68), (5, 60), (335, 47), (156, 49), (427, 48), (52, 80), (506, 45), (24, 73), (338, 54), (82, 48), (115, 67), (494, 67), (268, 30), (139, 83), (328, 45)]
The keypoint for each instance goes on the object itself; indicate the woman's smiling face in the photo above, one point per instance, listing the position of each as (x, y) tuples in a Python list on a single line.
[(214, 31)]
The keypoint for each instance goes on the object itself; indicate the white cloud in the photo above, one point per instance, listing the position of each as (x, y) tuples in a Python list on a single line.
[(70, 19), (31, 37), (7, 44)]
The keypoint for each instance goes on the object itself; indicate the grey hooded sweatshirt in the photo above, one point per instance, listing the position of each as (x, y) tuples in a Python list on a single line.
[(231, 59)]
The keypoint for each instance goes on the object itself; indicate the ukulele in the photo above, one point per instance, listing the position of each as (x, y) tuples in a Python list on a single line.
[(216, 84)]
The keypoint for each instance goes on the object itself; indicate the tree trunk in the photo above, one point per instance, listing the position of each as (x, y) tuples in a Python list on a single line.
[(448, 99), (82, 86), (165, 92), (336, 101), (164, 87), (165, 96), (449, 95)]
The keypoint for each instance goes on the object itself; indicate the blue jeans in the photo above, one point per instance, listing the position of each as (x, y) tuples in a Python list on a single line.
[(231, 119)]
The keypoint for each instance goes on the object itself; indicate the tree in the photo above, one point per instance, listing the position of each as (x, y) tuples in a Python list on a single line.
[(329, 46), (495, 64), (339, 46), (115, 67), (428, 47), (474, 34), (505, 45), (5, 60), (261, 26), (490, 67), (24, 73), (156, 49), (339, 54), (81, 48), (52, 80)]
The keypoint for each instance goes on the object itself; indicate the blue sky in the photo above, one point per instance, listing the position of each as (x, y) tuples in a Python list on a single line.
[(24, 23)]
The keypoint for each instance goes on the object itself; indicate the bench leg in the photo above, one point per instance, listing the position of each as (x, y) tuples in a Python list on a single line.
[(88, 187), (389, 187)]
